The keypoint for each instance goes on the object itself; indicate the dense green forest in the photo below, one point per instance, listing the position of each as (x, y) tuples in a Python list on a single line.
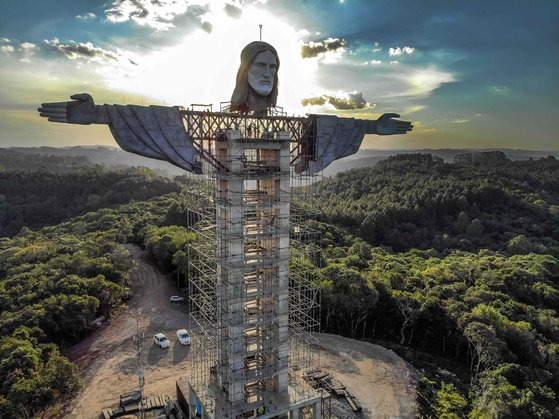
[(484, 201), (456, 261), (55, 281), (489, 317), (17, 160), (42, 197), (454, 266)]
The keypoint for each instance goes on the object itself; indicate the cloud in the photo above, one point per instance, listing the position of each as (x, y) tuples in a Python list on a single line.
[(160, 15), (394, 52), (499, 89), (302, 33), (86, 16), (377, 47), (345, 101), (232, 10), (372, 62), (7, 49), (24, 51), (27, 50), (28, 46), (412, 109), (420, 128), (87, 51), (319, 100), (459, 121), (426, 80), (314, 49)]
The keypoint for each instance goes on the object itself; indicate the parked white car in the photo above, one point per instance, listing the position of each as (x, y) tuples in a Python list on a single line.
[(161, 340), (176, 299), (183, 337)]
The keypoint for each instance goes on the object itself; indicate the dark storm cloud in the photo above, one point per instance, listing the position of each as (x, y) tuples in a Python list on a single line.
[(313, 49), (353, 100), (319, 100), (87, 51)]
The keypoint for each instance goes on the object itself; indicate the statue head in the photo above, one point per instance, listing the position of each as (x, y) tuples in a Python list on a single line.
[(257, 76)]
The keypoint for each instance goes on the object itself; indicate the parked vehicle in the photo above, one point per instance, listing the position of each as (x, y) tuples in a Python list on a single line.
[(127, 294), (176, 299), (183, 337), (161, 340)]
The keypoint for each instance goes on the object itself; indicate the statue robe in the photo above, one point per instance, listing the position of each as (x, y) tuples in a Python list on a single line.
[(158, 132)]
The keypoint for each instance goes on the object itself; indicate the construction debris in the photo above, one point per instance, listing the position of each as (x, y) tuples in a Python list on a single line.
[(162, 406), (322, 380)]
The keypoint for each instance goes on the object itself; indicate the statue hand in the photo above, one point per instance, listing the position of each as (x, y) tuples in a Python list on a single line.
[(81, 110), (388, 126)]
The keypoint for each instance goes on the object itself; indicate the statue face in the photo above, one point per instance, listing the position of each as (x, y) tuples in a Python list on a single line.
[(262, 73)]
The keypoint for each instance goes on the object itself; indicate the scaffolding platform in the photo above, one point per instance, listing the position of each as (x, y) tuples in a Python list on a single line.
[(253, 305)]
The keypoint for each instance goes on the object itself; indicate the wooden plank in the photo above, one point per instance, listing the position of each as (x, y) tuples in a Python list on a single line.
[(107, 413), (352, 403), (131, 408)]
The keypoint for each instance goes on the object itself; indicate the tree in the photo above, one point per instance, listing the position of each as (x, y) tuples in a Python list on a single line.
[(347, 296), (410, 307), (486, 348), (450, 404)]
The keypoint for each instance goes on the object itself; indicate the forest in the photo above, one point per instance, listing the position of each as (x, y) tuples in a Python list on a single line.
[(452, 265)]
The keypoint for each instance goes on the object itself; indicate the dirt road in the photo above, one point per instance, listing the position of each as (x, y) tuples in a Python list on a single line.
[(107, 357), (381, 381)]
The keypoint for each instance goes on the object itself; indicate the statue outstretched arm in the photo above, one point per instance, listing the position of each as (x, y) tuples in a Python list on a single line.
[(82, 110), (156, 132), (385, 125), (341, 137)]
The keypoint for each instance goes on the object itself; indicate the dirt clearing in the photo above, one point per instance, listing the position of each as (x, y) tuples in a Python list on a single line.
[(381, 381)]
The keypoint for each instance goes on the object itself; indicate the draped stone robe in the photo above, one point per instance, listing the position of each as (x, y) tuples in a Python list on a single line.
[(158, 132)]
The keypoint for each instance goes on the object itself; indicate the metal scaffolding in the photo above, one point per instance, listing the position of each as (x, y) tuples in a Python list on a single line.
[(250, 289)]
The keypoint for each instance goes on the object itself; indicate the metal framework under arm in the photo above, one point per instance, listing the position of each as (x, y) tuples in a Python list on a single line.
[(187, 138)]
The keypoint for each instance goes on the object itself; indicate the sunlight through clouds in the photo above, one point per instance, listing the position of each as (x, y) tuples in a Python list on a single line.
[(202, 67), (427, 80), (416, 60)]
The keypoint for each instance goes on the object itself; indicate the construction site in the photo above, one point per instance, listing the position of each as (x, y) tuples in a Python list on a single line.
[(251, 300), (253, 308)]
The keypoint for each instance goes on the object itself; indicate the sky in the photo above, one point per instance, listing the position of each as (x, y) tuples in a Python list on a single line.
[(469, 74)]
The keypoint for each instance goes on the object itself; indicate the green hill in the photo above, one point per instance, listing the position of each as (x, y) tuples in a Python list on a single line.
[(419, 201)]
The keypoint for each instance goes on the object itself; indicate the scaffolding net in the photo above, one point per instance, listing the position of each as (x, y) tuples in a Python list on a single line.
[(250, 271)]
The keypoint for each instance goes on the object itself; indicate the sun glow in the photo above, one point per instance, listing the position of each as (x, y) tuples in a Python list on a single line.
[(203, 66)]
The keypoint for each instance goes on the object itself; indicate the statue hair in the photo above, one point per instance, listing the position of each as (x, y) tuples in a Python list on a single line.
[(239, 98)]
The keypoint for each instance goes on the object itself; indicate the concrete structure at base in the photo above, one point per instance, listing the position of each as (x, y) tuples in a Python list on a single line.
[(247, 361)]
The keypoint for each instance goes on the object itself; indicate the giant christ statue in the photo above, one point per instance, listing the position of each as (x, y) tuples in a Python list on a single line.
[(256, 309), (158, 132)]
